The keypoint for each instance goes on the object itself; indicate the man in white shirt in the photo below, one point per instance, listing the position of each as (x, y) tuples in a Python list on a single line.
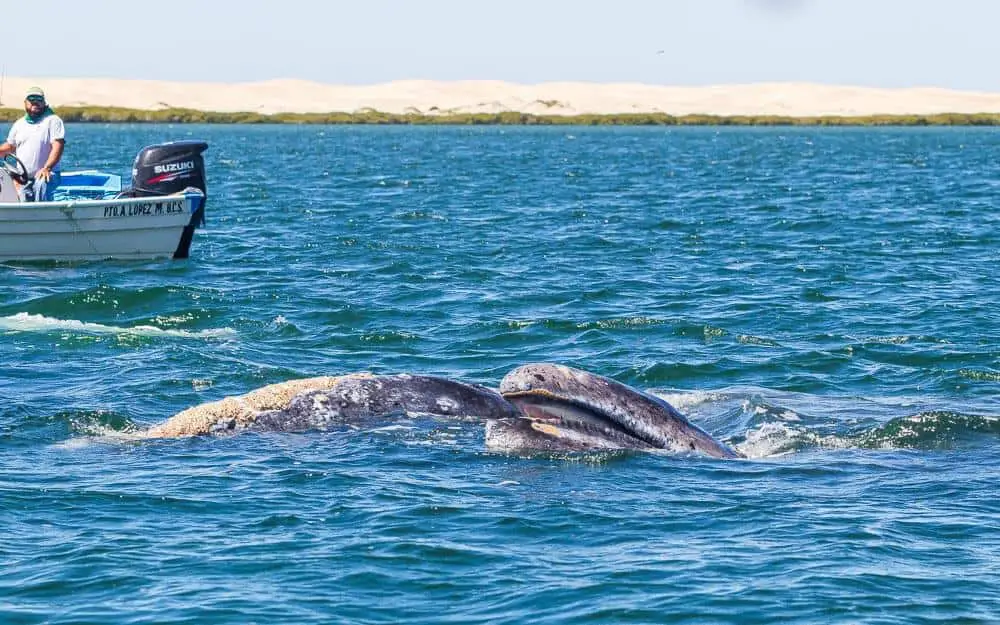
[(37, 139)]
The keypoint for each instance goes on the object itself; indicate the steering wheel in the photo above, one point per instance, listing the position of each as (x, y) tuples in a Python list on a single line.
[(18, 172)]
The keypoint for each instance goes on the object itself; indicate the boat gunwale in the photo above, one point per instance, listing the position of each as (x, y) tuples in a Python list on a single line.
[(90, 202)]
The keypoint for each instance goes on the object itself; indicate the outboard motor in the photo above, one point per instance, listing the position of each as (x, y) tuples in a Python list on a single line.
[(170, 168)]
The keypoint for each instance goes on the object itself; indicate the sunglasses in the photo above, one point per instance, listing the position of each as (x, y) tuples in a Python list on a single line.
[(34, 99)]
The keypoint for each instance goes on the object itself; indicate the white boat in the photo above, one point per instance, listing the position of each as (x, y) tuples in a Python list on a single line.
[(92, 217)]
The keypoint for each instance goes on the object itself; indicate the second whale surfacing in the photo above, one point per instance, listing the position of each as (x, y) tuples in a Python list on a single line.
[(575, 407), (539, 408)]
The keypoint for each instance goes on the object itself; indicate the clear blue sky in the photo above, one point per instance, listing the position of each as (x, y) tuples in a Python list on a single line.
[(889, 43)]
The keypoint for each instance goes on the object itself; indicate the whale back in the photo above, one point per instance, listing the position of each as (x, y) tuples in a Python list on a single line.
[(356, 399)]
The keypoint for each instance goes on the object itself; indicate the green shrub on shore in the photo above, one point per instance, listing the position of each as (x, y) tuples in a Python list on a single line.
[(104, 114)]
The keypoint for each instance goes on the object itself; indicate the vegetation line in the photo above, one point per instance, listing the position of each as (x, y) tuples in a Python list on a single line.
[(368, 116)]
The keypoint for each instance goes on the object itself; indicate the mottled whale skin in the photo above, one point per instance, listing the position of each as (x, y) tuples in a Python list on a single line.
[(559, 396), (555, 434), (539, 407), (356, 399)]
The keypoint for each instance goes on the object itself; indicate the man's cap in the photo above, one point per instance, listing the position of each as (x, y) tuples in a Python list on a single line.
[(34, 91)]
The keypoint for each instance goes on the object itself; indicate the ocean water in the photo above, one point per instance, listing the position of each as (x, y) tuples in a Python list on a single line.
[(824, 300)]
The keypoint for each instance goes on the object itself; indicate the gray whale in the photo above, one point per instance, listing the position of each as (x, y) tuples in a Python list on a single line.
[(567, 406), (538, 407), (357, 399)]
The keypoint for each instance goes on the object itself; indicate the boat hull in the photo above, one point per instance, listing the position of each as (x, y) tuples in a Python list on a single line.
[(125, 228)]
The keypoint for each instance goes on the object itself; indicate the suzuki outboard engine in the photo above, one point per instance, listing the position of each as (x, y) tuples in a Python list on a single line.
[(169, 168)]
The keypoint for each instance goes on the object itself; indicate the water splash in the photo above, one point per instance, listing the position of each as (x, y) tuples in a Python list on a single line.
[(929, 430), (27, 322)]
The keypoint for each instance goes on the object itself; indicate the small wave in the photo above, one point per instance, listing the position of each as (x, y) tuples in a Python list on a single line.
[(749, 339), (98, 437), (620, 323), (389, 337), (27, 322), (777, 439), (924, 431), (928, 430), (980, 376), (96, 426), (687, 400)]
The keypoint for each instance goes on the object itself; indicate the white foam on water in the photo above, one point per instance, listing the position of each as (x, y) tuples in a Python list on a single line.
[(87, 434), (686, 400), (778, 439), (100, 436), (394, 427), (27, 322)]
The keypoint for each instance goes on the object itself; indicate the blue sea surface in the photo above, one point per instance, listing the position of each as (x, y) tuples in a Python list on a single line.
[(827, 301)]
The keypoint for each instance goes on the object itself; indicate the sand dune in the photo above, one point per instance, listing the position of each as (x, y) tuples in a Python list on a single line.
[(487, 96)]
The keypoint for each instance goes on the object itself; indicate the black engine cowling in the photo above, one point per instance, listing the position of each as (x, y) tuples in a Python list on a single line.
[(169, 168)]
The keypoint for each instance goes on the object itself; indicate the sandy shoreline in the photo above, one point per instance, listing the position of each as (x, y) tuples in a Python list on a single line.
[(486, 96)]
